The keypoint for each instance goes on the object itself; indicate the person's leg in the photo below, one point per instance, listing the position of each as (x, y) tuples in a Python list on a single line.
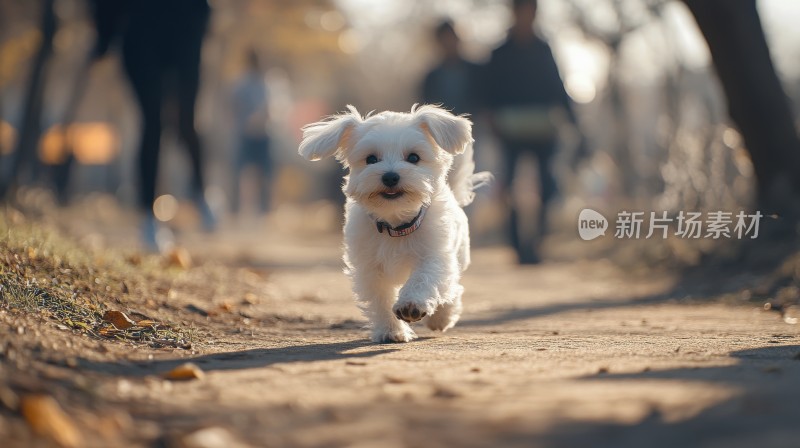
[(265, 174), (146, 85), (187, 95), (145, 79), (548, 186), (149, 148), (511, 152), (239, 166), (186, 48)]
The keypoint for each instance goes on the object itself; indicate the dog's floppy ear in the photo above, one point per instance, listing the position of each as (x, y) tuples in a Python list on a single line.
[(330, 136), (452, 133)]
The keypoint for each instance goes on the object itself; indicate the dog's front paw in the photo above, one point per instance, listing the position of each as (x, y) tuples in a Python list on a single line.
[(409, 312), (398, 333)]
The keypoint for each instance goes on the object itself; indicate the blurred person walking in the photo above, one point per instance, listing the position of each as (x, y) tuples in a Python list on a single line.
[(161, 47), (522, 93), (251, 111), (451, 82)]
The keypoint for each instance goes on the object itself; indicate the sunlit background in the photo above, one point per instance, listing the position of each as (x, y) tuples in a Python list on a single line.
[(638, 71)]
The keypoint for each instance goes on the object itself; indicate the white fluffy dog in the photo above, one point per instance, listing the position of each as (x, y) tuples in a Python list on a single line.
[(406, 235)]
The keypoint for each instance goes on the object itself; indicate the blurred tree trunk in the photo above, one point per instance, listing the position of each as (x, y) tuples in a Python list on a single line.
[(3, 149), (756, 100), (24, 155)]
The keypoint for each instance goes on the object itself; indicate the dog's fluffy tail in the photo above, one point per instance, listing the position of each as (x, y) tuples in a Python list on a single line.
[(464, 180)]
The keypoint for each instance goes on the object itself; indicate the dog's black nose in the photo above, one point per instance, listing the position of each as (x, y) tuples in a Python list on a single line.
[(390, 179)]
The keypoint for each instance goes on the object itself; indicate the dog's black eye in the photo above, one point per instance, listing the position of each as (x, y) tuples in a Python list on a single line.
[(412, 158), (371, 159)]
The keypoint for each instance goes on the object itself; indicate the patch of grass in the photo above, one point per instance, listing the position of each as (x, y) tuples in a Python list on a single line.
[(43, 272)]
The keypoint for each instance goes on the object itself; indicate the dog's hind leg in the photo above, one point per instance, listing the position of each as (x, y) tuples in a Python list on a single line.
[(447, 314)]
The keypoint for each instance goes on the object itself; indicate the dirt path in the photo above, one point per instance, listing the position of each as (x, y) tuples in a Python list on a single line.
[(568, 354)]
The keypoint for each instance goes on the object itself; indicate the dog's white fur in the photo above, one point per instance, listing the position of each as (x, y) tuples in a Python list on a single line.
[(416, 275)]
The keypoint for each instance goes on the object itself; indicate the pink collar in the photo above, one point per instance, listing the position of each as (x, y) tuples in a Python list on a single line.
[(403, 229)]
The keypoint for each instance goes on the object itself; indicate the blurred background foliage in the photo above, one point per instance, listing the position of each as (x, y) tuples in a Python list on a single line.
[(639, 72)]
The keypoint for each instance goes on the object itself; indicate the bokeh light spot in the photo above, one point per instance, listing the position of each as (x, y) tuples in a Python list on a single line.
[(8, 138), (332, 21), (351, 42), (165, 207), (731, 138), (580, 87)]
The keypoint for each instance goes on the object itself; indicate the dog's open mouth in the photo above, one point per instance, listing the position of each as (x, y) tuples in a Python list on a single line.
[(392, 194)]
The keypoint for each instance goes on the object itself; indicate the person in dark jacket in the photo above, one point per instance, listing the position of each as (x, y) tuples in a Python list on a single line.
[(522, 94), (451, 83)]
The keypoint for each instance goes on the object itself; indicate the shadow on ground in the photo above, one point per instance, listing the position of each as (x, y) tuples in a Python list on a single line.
[(517, 314), (764, 414), (243, 359), (757, 273)]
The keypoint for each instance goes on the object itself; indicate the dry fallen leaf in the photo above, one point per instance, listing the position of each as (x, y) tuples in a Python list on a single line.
[(109, 332), (183, 372), (146, 323), (251, 299), (9, 398), (445, 392), (212, 437), (46, 418), (226, 306), (178, 257), (118, 319)]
